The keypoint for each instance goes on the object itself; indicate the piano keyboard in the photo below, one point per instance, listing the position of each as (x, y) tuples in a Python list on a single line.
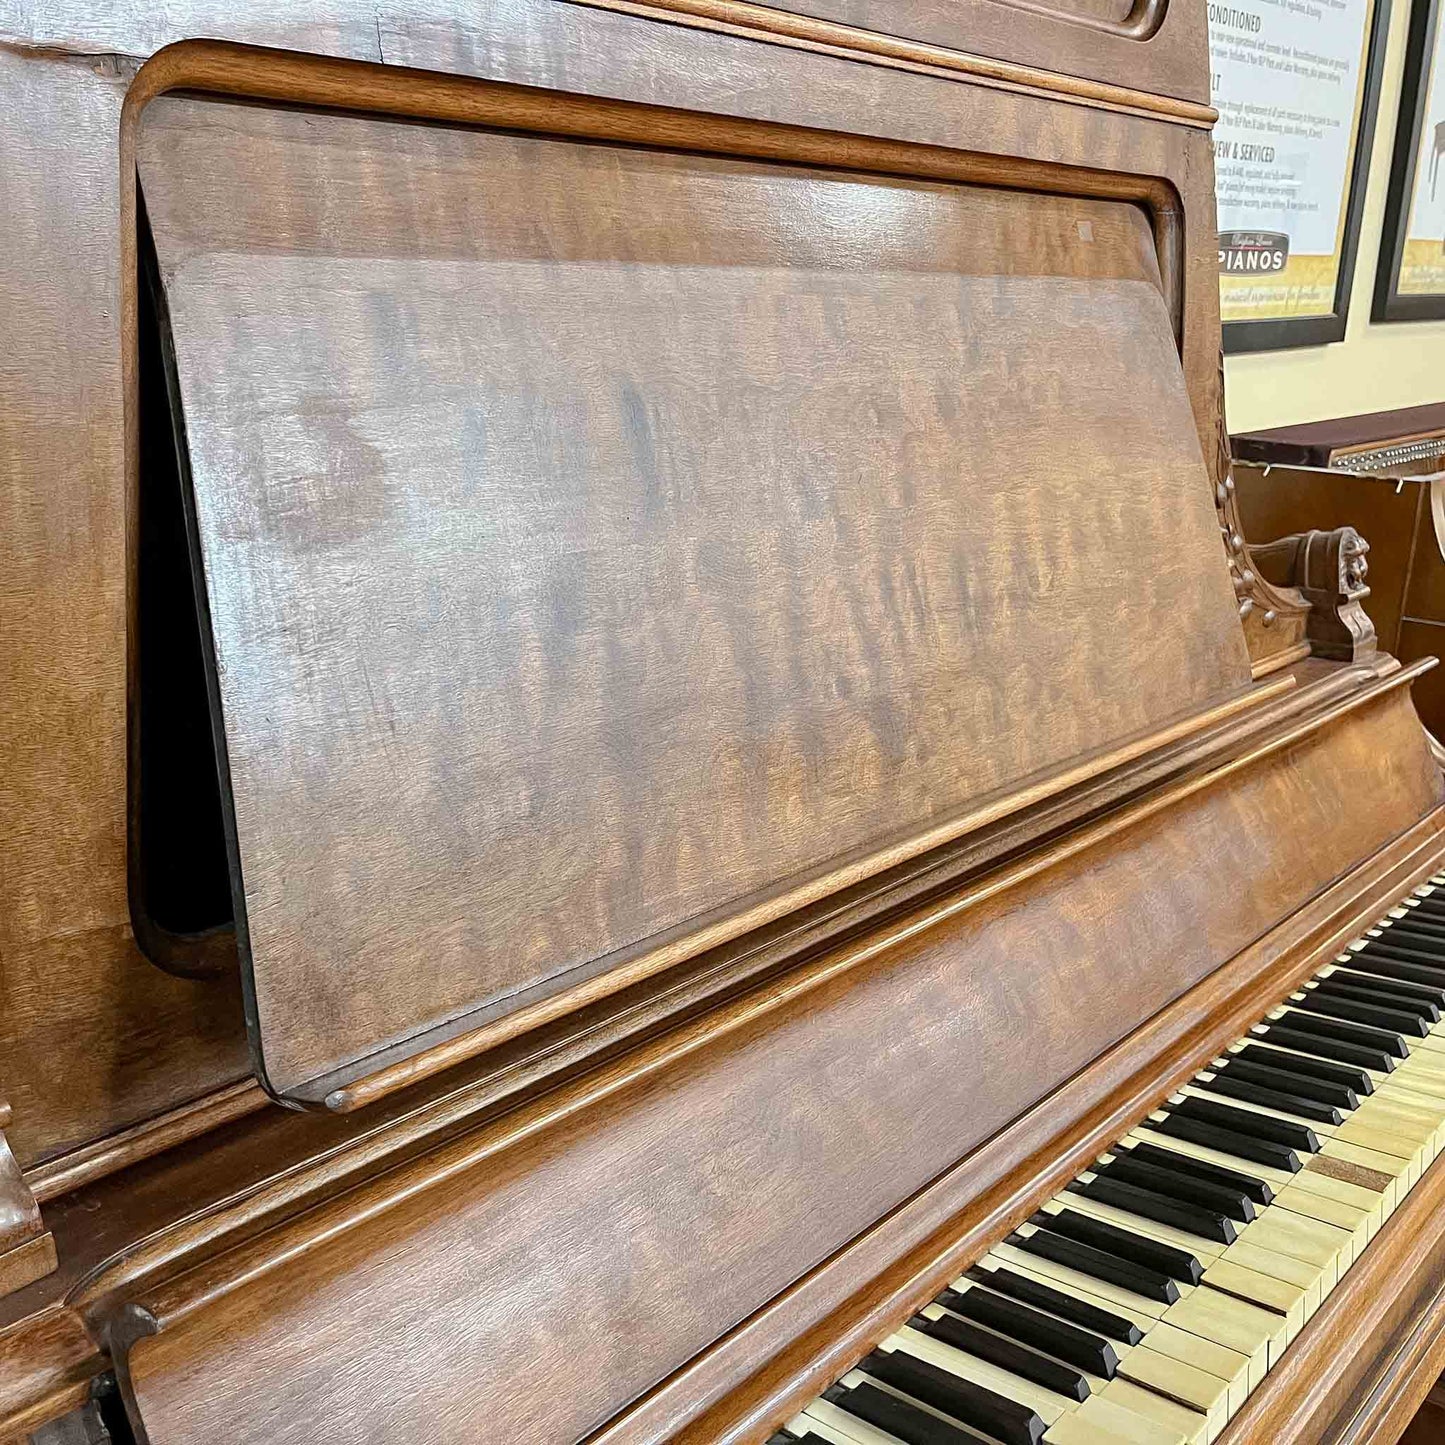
[(1147, 1300)]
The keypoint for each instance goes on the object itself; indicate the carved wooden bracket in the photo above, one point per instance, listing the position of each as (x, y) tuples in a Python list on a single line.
[(27, 1248), (1329, 569), (1274, 616)]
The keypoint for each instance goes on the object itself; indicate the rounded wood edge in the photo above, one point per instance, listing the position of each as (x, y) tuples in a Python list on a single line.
[(431, 1061), (1277, 661), (1404, 1382), (741, 17), (166, 1275), (47, 1363), (476, 1097), (82, 1166), (128, 1328)]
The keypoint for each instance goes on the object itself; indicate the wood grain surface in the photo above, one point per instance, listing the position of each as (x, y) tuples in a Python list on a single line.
[(1088, 37), (681, 1204), (79, 1001), (907, 1258), (92, 1037), (1041, 44), (597, 539)]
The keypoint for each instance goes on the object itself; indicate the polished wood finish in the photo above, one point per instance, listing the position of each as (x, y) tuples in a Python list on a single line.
[(47, 1364), (584, 700), (78, 1002), (692, 1196), (1390, 520), (67, 74), (1095, 38), (773, 1102), (943, 1240)]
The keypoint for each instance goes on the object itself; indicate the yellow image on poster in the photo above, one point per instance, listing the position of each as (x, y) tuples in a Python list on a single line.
[(1422, 258)]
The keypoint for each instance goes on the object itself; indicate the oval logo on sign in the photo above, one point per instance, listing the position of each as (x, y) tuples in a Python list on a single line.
[(1252, 252)]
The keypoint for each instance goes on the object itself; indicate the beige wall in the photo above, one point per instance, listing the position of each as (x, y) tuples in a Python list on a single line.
[(1374, 367)]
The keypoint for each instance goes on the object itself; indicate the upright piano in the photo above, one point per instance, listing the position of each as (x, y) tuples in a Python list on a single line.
[(648, 791)]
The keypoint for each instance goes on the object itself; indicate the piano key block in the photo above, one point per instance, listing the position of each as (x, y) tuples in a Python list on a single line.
[(1250, 1202)]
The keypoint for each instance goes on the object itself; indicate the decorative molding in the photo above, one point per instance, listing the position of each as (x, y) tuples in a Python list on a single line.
[(1329, 570), (27, 1248), (160, 1271), (853, 42), (116, 1151), (1273, 617)]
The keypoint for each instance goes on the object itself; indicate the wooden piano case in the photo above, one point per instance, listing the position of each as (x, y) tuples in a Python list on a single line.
[(637, 612)]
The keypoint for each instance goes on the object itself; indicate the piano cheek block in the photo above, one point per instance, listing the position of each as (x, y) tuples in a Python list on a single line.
[(685, 707)]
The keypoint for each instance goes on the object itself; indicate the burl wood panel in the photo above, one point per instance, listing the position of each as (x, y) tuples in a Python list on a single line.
[(1085, 37), (91, 1036), (605, 1252), (1047, 36), (597, 539), (79, 1004)]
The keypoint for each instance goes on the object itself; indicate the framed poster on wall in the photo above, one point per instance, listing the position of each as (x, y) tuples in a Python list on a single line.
[(1296, 83), (1410, 281)]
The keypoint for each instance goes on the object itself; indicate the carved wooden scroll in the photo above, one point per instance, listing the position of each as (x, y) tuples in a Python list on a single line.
[(27, 1250), (1273, 617), (1329, 570)]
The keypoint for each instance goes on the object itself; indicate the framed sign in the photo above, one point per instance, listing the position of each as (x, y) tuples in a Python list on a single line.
[(1296, 86), (1410, 283)]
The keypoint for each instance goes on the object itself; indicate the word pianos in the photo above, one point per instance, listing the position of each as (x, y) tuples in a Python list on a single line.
[(649, 793)]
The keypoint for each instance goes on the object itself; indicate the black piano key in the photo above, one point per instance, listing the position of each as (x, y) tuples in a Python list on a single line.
[(1007, 1354), (1352, 1078), (1098, 1264), (902, 1418), (1412, 916), (786, 1437), (1361, 977), (1429, 964), (1381, 992), (1423, 933), (1288, 1081), (1376, 1015), (1226, 1141), (1334, 1050), (1257, 1190), (1231, 1086), (1231, 1203), (1123, 1243), (1428, 903), (968, 1403), (1089, 1317), (1081, 1347), (1361, 1035), (1245, 1121), (1192, 1216)]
